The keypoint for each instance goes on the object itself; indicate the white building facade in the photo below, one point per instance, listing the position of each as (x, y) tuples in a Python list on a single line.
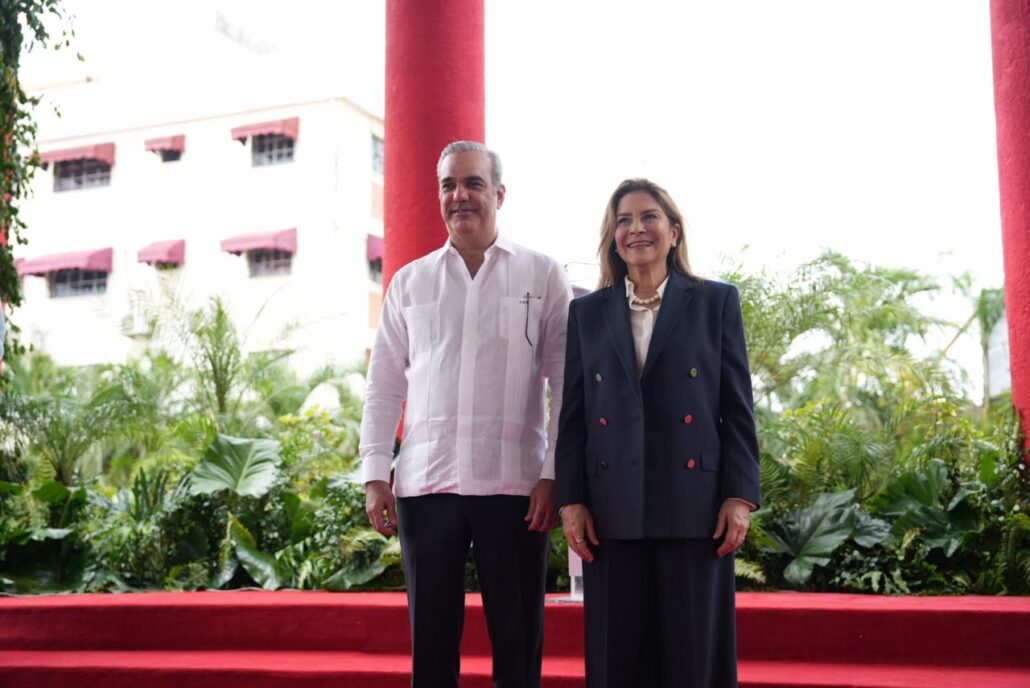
[(998, 361), (271, 199)]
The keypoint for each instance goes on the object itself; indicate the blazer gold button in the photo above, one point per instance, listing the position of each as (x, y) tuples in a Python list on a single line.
[(598, 377), (688, 419), (690, 464), (604, 464), (693, 372), (604, 422)]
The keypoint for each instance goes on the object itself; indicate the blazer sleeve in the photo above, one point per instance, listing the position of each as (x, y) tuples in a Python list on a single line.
[(737, 435), (570, 450)]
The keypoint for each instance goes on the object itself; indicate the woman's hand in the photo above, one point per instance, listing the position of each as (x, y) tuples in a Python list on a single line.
[(734, 520), (578, 527)]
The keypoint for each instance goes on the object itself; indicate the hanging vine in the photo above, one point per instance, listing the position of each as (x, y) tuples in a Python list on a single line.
[(23, 25)]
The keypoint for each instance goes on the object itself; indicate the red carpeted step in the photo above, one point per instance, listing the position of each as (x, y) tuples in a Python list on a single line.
[(762, 674), (240, 669), (255, 638), (955, 631), (247, 619), (254, 620), (771, 626), (191, 669)]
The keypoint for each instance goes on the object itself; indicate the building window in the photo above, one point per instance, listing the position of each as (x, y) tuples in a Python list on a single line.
[(375, 270), (75, 282), (269, 261), (169, 148), (377, 154), (374, 257), (81, 174), (271, 149)]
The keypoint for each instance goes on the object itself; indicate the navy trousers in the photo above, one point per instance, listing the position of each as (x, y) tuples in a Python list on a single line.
[(659, 614), (436, 532)]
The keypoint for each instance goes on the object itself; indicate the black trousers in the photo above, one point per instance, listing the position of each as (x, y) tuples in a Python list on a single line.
[(436, 532), (659, 614)]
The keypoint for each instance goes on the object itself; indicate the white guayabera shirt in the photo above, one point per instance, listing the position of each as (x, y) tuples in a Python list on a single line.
[(471, 358)]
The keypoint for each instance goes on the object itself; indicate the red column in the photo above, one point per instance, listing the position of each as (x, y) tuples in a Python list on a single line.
[(434, 95), (1010, 29)]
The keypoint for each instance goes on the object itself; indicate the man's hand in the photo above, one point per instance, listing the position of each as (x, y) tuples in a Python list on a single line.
[(379, 500), (734, 520), (578, 526), (543, 513)]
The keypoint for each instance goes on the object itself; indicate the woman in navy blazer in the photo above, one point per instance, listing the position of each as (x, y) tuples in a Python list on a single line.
[(657, 457)]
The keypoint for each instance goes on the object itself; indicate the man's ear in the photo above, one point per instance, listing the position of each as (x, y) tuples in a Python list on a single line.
[(500, 195)]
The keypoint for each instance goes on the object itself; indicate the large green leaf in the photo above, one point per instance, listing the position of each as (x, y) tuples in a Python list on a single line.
[(919, 488), (302, 517), (812, 534), (869, 531), (369, 554), (262, 566), (9, 488), (916, 499), (226, 562), (51, 492), (40, 534), (20, 536), (244, 466)]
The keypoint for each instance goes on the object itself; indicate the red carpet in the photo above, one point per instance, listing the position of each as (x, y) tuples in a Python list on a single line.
[(258, 639)]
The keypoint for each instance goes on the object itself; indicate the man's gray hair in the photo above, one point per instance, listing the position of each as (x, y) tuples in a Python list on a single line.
[(465, 147)]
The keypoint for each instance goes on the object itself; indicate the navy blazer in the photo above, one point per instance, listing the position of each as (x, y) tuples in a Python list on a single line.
[(654, 454)]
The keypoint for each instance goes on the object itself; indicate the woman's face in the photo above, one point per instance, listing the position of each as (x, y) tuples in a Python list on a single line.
[(643, 233)]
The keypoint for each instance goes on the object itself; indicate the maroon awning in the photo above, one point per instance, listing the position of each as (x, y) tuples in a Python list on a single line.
[(101, 151), (166, 143), (283, 240), (283, 127), (98, 260), (373, 248), (166, 252)]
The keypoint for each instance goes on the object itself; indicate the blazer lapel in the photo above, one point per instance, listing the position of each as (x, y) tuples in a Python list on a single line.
[(678, 294), (616, 318)]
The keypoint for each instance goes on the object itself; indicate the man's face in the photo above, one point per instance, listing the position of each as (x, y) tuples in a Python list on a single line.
[(469, 200)]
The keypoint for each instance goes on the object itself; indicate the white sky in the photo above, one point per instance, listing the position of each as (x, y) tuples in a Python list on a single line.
[(786, 126)]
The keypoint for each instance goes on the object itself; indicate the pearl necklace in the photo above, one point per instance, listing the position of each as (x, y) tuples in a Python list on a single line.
[(647, 301)]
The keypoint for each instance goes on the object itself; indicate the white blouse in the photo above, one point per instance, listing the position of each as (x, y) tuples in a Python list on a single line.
[(642, 319)]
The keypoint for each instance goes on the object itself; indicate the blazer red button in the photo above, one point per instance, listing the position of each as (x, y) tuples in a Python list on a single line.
[(688, 419), (691, 463), (604, 422)]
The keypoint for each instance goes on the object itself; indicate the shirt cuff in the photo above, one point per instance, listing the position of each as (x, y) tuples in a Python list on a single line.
[(750, 505), (375, 467), (547, 470)]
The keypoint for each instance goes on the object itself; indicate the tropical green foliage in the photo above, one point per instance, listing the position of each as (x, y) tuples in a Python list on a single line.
[(125, 477), (23, 25), (877, 474), (207, 470)]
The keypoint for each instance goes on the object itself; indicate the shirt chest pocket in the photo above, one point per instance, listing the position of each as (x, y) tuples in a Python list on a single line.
[(519, 319), (423, 327)]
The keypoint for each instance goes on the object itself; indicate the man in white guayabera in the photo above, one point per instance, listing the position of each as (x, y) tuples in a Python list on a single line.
[(469, 337)]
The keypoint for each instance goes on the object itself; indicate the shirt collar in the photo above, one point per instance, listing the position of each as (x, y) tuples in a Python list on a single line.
[(631, 293), (501, 243)]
